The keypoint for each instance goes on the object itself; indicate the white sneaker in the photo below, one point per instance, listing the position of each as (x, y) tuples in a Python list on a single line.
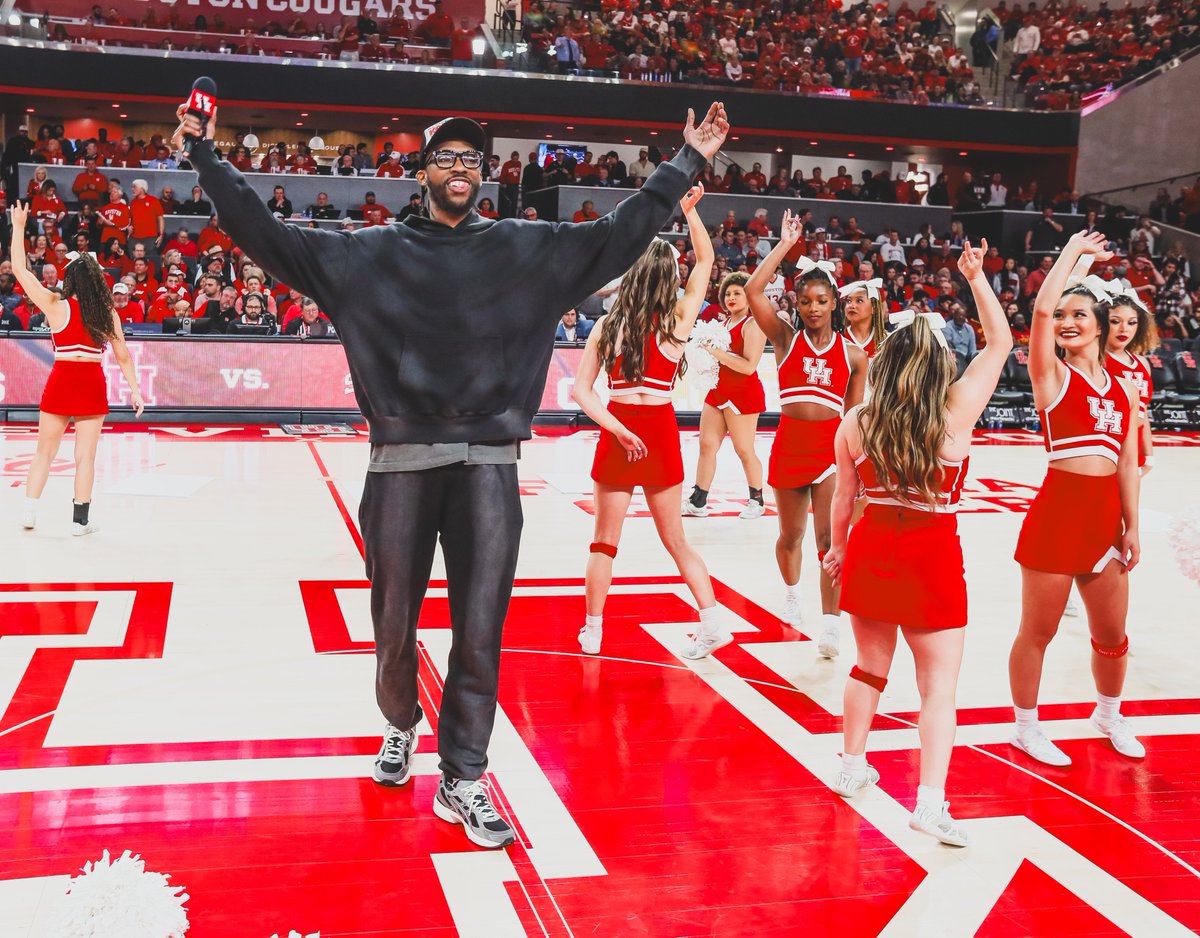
[(848, 785), (1071, 608), (690, 510), (1121, 735), (754, 509), (703, 644), (829, 645), (942, 826), (78, 530), (590, 637), (29, 519), (791, 612), (1037, 745)]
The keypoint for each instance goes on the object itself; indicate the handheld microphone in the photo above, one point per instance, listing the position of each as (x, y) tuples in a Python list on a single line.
[(200, 105)]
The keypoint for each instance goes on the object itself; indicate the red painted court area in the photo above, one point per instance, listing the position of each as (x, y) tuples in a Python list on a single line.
[(218, 720)]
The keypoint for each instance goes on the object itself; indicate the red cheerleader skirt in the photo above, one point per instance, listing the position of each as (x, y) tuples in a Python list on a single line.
[(75, 389), (905, 566), (655, 425), (802, 453), (1073, 526), (743, 394)]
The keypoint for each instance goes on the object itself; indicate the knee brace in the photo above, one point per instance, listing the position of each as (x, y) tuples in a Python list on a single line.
[(871, 680), (1116, 651), (598, 547)]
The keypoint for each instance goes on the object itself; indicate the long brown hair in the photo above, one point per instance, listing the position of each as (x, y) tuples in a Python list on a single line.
[(1145, 339), (645, 303), (84, 280), (903, 424)]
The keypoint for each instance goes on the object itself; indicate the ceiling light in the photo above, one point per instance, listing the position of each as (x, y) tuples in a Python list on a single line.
[(299, 123), (812, 143), (963, 153), (28, 110), (889, 149), (304, 113), (116, 105), (250, 140), (34, 22), (14, 19), (316, 142), (478, 45), (849, 156), (122, 115), (779, 149), (654, 133)]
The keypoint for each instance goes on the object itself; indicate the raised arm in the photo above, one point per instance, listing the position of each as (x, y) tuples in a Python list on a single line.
[(45, 299), (312, 260), (1044, 366), (688, 307), (970, 394), (766, 316), (589, 254)]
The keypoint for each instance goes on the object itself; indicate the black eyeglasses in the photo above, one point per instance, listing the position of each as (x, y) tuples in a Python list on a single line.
[(445, 159)]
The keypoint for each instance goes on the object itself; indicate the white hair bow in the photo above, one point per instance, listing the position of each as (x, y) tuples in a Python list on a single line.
[(906, 317), (73, 256), (1096, 286), (1128, 297), (872, 288), (807, 265)]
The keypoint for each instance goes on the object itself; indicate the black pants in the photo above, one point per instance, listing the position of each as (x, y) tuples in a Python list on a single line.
[(477, 511), (509, 196)]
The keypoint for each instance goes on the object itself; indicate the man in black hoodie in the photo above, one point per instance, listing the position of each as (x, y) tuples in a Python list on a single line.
[(447, 415)]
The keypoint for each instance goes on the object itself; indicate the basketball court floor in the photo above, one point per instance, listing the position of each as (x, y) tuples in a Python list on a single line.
[(194, 684)]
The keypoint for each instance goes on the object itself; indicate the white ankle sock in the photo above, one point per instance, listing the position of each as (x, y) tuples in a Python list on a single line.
[(792, 590), (830, 621), (709, 620), (930, 797), (855, 765), (1107, 708), (31, 504), (1026, 719), (593, 622)]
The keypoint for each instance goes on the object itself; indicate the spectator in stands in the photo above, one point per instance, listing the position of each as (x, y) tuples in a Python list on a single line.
[(892, 251), (279, 203), (960, 336), (587, 212), (571, 328), (967, 200), (487, 209), (1071, 205), (1044, 235), (641, 168), (148, 223), (162, 160), (997, 193), (310, 323), (128, 310), (437, 28), (412, 208), (1037, 277), (223, 310), (90, 185), (183, 243), (510, 184), (208, 289), (371, 205), (168, 201), (10, 299), (254, 313), (322, 209), (212, 237), (531, 176), (1163, 210), (197, 205), (391, 168), (529, 213), (48, 208)]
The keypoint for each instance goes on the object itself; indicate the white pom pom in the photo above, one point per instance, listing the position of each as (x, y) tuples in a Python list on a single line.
[(703, 369), (296, 934), (119, 899), (1184, 535)]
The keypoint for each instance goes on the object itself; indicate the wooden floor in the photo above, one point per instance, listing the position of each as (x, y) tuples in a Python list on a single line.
[(194, 683)]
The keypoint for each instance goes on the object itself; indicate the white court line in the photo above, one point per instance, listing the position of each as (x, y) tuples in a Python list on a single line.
[(1133, 721)]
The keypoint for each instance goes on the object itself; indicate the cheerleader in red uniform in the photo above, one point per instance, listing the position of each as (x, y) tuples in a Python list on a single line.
[(901, 566), (820, 375), (1083, 525), (81, 321), (733, 406), (1131, 334), (862, 302), (639, 347)]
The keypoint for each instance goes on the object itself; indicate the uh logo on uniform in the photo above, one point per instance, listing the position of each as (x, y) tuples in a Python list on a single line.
[(818, 371), (1108, 418)]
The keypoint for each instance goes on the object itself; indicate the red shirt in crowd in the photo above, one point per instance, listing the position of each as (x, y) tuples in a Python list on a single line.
[(510, 173), (460, 45), (146, 210), (90, 187), (367, 209), (116, 220), (391, 169), (209, 236)]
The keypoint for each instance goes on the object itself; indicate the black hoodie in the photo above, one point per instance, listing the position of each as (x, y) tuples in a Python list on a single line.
[(448, 330)]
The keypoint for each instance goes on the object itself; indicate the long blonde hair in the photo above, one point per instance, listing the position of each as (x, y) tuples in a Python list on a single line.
[(645, 303), (903, 425)]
